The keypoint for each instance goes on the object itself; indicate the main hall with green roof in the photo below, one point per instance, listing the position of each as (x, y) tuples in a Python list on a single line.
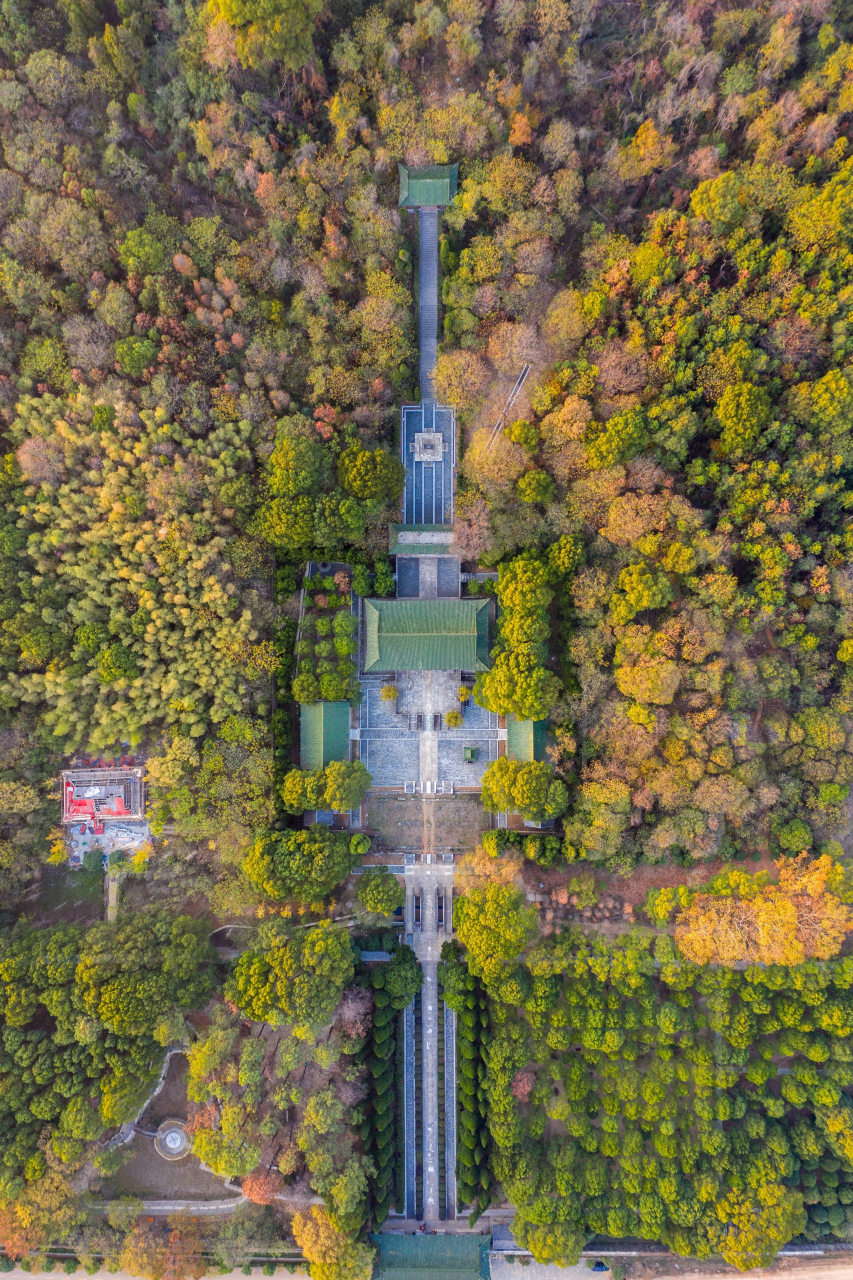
[(426, 635)]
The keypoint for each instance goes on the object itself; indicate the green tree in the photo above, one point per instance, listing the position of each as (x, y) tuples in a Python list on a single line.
[(227, 1157), (558, 1243), (753, 1228), (518, 685), (535, 486), (306, 687), (301, 864), (331, 1253), (719, 201), (528, 788), (743, 412), (347, 783), (566, 554), (341, 786), (297, 979), (303, 789), (297, 465), (370, 474), (135, 355), (380, 891), (624, 436), (643, 588), (116, 663), (141, 253), (404, 977), (494, 924), (269, 30)]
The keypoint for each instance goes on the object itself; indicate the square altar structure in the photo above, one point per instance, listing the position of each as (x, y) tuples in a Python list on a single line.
[(429, 446), (428, 452)]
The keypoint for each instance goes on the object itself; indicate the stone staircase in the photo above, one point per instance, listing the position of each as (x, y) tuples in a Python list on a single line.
[(428, 299)]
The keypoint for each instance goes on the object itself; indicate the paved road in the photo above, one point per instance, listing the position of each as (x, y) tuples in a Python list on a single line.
[(112, 896), (507, 1269), (826, 1268), (196, 1208), (428, 299), (17, 1274)]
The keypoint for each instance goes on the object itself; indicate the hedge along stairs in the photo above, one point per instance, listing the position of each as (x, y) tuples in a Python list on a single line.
[(382, 1122), (468, 1000)]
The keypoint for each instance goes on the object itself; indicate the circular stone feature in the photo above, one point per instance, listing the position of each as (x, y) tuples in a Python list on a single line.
[(172, 1141)]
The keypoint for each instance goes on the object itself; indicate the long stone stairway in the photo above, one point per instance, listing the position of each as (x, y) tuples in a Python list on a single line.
[(431, 1130)]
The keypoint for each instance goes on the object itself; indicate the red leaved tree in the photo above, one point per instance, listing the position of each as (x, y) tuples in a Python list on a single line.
[(262, 1186)]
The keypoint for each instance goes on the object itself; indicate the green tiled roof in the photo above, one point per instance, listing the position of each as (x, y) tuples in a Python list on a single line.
[(434, 185), (323, 734), (426, 635), (431, 1257), (525, 739)]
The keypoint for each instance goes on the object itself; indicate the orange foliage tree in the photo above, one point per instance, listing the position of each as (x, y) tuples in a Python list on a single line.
[(43, 1212), (262, 1186), (19, 1240), (183, 1258), (748, 918)]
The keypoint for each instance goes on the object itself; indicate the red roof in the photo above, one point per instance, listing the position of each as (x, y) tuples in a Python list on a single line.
[(82, 806)]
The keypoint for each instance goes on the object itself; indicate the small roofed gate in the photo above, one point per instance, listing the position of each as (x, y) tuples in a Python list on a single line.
[(422, 1257), (432, 186), (324, 734)]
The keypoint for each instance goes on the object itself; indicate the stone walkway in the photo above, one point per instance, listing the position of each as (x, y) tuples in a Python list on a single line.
[(426, 882), (197, 1208), (428, 266)]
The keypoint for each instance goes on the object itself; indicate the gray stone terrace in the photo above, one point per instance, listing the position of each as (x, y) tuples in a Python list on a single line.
[(429, 488), (408, 745)]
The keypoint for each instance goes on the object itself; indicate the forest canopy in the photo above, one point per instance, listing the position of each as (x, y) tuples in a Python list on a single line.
[(208, 295)]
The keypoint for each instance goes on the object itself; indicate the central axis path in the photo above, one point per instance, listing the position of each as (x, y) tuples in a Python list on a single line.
[(428, 275), (427, 884)]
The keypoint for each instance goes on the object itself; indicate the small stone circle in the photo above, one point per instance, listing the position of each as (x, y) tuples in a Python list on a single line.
[(172, 1141)]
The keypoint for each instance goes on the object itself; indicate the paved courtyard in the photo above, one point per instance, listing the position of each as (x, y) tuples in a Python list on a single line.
[(426, 823), (409, 741)]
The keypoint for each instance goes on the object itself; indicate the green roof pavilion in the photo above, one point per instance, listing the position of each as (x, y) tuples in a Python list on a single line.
[(422, 188), (431, 1257), (323, 734), (525, 739), (426, 635)]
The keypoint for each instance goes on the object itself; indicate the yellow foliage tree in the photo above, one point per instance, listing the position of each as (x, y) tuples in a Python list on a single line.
[(331, 1254), (752, 920), (648, 150)]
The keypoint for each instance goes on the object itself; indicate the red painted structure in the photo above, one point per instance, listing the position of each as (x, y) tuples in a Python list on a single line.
[(96, 794)]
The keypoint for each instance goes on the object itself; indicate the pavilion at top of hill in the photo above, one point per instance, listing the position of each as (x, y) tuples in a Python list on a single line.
[(433, 186)]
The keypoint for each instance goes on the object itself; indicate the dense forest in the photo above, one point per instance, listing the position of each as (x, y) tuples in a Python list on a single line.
[(207, 326)]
